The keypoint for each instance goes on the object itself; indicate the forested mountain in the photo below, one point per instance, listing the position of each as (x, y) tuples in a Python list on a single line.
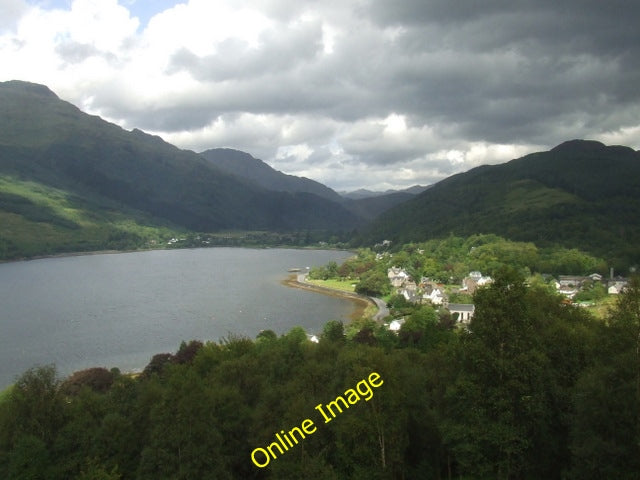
[(372, 207), (71, 181), (49, 148), (363, 193), (249, 168), (580, 194), (363, 203)]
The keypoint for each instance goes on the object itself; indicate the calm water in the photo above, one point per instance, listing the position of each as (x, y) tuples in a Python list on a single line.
[(117, 310)]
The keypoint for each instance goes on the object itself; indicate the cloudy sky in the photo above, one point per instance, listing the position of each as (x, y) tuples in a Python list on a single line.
[(353, 93)]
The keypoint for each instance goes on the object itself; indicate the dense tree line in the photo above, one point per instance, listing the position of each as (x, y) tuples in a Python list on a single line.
[(532, 389)]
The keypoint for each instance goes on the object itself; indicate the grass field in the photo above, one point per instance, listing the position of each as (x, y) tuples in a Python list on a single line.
[(343, 285)]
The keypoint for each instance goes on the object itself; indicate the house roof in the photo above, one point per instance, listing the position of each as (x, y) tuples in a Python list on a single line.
[(462, 307)]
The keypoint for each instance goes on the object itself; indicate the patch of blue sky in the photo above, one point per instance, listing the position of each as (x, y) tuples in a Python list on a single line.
[(144, 10)]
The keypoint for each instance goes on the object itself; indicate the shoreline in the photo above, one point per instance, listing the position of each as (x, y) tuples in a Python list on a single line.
[(361, 302), (76, 254), (113, 252)]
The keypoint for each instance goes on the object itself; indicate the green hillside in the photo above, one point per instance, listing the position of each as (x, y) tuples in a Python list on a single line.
[(580, 194), (82, 183), (36, 219)]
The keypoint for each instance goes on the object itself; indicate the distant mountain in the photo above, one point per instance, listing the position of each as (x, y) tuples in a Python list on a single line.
[(372, 207), (364, 193), (365, 205), (254, 170), (94, 167), (580, 194)]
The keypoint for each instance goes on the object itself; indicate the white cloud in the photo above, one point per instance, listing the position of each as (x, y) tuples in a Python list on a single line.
[(12, 10), (103, 24), (299, 153), (262, 132), (623, 136), (202, 25), (482, 153)]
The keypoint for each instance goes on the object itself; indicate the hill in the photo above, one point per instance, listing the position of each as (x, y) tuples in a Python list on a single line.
[(363, 193), (362, 203), (373, 206), (99, 172), (254, 170), (580, 194)]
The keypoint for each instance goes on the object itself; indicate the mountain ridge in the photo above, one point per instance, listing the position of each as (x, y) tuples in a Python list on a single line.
[(245, 166), (48, 143), (363, 193), (63, 171), (248, 168), (579, 194)]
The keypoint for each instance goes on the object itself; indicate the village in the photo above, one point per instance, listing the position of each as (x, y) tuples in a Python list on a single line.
[(427, 291)]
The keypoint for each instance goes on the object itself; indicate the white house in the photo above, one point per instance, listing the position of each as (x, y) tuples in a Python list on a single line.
[(473, 281), (465, 311), (436, 297), (396, 324), (397, 276), (571, 280), (616, 288)]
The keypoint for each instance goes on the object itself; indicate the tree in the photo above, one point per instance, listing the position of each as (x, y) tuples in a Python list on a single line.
[(36, 404), (605, 437), (365, 336), (373, 283), (97, 379), (399, 305), (593, 292), (626, 317), (94, 471), (187, 351), (419, 327), (266, 336), (604, 424), (157, 364), (185, 441), (333, 331), (28, 459), (30, 419), (497, 408)]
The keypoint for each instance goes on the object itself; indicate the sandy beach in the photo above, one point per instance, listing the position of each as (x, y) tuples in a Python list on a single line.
[(361, 303)]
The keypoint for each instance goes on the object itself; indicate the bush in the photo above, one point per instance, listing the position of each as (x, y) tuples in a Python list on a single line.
[(97, 379)]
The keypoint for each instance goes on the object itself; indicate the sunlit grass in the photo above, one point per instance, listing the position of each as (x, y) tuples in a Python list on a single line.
[(53, 221), (343, 285), (52, 198)]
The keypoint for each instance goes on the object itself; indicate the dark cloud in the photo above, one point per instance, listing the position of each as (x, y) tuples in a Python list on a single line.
[(236, 60), (74, 52), (456, 78), (496, 71)]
